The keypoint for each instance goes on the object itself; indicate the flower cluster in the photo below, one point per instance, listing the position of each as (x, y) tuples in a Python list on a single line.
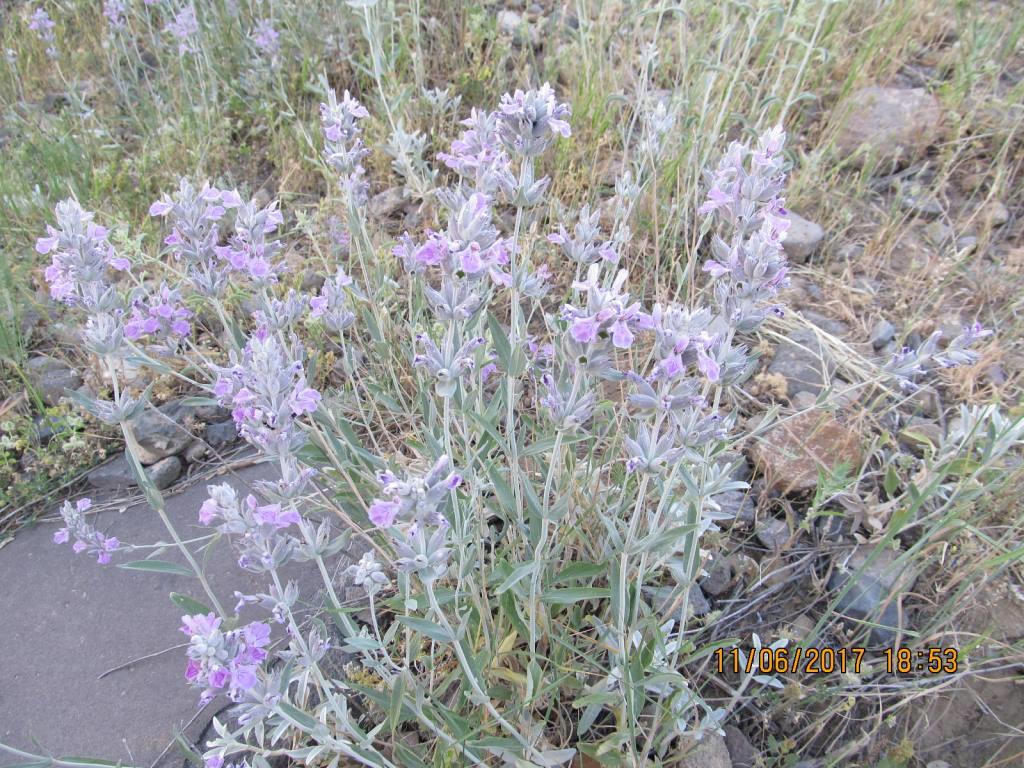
[(528, 121), (584, 246), (368, 574), (266, 390), (81, 254), (195, 216), (750, 267), (184, 28), (223, 661), (257, 528), (249, 250), (43, 25), (87, 538), (266, 39), (161, 317), (344, 149), (909, 362), (114, 10), (331, 307)]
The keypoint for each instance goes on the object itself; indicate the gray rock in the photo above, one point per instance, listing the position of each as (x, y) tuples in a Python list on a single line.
[(719, 578), (709, 752), (195, 452), (802, 362), (966, 244), (772, 533), (160, 434), (804, 401), (882, 333), (826, 323), (112, 475), (921, 204), (938, 233), (875, 594), (117, 474), (699, 605), (920, 434), (50, 377), (741, 751), (221, 433), (165, 471), (802, 238), (509, 21), (739, 504), (384, 204), (170, 429), (888, 126), (996, 213)]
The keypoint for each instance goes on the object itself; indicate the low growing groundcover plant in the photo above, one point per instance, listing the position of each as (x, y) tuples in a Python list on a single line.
[(529, 541)]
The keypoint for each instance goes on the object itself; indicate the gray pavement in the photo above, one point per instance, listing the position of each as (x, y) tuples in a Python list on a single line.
[(64, 621)]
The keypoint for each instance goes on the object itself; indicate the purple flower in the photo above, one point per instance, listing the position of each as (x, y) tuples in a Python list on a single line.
[(43, 25), (383, 513), (161, 317), (87, 538), (528, 121), (343, 146), (266, 38), (223, 661), (80, 256), (185, 29), (114, 10)]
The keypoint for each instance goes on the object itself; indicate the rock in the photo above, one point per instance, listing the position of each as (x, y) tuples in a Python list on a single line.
[(804, 401), (791, 454), (966, 244), (509, 21), (888, 126), (221, 433), (772, 533), (165, 471), (50, 377), (938, 233), (802, 238), (882, 333), (825, 323), (875, 594), (921, 204), (739, 504), (163, 432), (995, 213), (709, 752), (741, 751), (195, 452), (719, 578), (699, 605), (118, 473), (920, 434), (384, 204), (802, 362)]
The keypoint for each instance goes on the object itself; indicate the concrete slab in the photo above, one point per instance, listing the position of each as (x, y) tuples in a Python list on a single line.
[(64, 621)]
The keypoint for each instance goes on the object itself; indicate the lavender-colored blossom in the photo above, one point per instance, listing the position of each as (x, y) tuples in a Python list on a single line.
[(344, 149), (80, 255), (584, 246), (222, 661), (569, 405), (160, 317), (607, 313), (87, 538), (114, 10), (909, 363), (255, 528), (185, 29), (43, 25), (417, 497), (368, 574), (528, 121), (249, 250), (478, 155), (332, 306), (282, 314), (266, 389), (266, 38), (446, 365)]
